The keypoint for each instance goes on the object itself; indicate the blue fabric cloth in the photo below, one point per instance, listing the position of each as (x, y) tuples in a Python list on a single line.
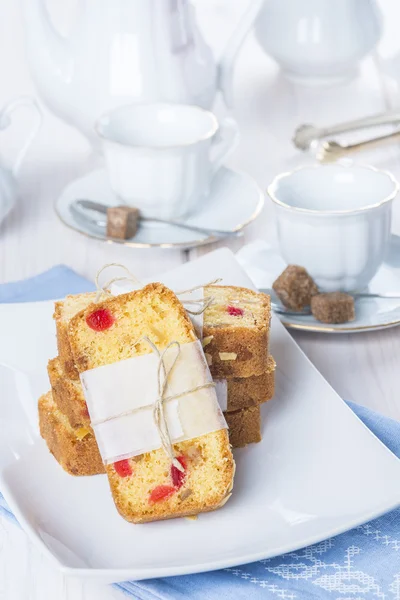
[(361, 564), (54, 283)]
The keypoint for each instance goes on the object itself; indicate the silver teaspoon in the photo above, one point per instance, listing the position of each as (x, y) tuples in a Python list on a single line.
[(83, 209)]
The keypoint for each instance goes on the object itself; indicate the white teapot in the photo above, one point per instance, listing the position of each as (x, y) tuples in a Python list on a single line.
[(8, 177), (124, 51)]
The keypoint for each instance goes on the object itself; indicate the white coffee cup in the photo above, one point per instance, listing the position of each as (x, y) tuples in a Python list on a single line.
[(160, 157), (335, 220)]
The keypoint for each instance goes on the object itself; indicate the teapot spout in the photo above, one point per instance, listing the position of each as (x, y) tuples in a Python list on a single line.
[(47, 51), (227, 62)]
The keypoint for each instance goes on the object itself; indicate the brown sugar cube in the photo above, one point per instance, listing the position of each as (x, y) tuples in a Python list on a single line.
[(244, 426), (333, 307), (122, 222), (295, 288)]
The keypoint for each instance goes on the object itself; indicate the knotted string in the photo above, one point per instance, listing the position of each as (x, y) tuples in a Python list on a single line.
[(104, 288), (206, 302), (197, 287), (159, 417), (158, 408)]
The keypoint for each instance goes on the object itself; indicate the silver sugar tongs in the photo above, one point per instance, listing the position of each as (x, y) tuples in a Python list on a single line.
[(307, 133)]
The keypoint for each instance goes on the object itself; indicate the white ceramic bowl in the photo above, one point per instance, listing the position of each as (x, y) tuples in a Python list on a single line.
[(334, 220), (319, 42)]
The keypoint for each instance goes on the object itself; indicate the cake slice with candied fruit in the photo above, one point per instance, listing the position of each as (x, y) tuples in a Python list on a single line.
[(236, 331), (149, 486), (64, 310)]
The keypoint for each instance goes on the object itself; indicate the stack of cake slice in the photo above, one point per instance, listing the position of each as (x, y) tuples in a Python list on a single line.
[(235, 341), (74, 448), (123, 347), (63, 415), (145, 481)]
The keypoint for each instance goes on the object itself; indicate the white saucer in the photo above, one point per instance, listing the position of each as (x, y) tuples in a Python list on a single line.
[(263, 264), (317, 472), (234, 201)]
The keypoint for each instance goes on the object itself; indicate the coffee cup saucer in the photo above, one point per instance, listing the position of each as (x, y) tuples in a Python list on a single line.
[(264, 263), (233, 202)]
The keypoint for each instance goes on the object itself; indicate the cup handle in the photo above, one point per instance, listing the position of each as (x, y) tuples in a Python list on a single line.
[(5, 122), (225, 142)]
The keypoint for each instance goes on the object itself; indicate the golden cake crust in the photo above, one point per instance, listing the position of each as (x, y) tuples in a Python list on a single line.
[(68, 394), (63, 347), (77, 455), (61, 316)]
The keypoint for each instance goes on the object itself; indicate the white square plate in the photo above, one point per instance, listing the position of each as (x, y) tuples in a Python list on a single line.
[(317, 472)]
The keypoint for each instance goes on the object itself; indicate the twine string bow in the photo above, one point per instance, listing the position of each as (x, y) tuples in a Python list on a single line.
[(104, 289), (206, 302), (163, 374), (159, 416), (129, 276)]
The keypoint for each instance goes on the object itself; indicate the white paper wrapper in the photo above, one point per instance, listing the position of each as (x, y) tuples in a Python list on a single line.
[(221, 389), (132, 385)]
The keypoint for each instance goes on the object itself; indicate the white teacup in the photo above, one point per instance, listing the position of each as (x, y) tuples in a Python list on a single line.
[(335, 221), (159, 156)]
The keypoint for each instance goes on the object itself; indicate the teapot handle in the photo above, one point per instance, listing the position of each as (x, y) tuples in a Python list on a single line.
[(5, 122), (225, 68), (224, 142)]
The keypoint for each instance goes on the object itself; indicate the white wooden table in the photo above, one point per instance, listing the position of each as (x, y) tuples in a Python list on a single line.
[(363, 368)]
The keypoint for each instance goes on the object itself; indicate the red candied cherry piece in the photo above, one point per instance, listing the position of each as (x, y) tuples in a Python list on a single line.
[(235, 311), (100, 319), (123, 468), (178, 477), (85, 412), (161, 492)]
